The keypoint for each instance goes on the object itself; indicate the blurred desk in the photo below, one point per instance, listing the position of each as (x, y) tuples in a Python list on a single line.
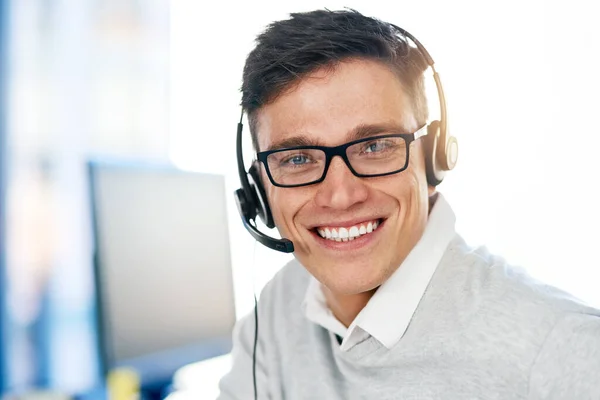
[(199, 381)]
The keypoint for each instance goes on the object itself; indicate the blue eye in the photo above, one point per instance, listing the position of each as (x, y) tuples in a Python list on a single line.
[(376, 146), (298, 160)]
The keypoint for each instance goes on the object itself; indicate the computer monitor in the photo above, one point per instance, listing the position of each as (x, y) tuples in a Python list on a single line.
[(162, 268)]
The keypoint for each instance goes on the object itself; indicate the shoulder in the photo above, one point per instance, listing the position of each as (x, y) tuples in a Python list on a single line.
[(258, 335), (568, 362), (551, 332), (494, 278), (292, 280), (284, 293), (280, 301), (504, 299)]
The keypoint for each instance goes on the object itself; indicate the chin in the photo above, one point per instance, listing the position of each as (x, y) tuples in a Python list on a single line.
[(345, 279)]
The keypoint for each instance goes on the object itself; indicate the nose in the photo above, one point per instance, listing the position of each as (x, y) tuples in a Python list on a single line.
[(341, 189)]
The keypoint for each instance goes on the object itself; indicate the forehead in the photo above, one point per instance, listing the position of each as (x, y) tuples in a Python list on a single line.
[(327, 105)]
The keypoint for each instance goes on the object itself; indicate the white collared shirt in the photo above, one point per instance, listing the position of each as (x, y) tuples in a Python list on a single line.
[(398, 296)]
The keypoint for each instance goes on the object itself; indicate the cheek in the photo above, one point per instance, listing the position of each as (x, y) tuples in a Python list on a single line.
[(408, 195), (272, 193), (417, 157), (274, 202), (417, 190), (407, 188), (285, 204), (416, 173)]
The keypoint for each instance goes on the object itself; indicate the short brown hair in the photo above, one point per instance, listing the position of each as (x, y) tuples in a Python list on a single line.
[(290, 49)]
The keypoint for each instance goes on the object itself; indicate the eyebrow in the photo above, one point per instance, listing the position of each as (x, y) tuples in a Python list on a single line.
[(367, 130), (360, 132), (295, 141)]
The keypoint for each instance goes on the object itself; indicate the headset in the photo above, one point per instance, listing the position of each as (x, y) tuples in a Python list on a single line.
[(441, 149), (251, 200), (441, 154)]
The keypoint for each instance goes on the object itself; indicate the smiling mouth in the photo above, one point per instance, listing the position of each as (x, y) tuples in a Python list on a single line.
[(348, 233)]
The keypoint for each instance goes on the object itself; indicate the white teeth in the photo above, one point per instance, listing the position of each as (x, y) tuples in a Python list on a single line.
[(343, 233), (347, 234)]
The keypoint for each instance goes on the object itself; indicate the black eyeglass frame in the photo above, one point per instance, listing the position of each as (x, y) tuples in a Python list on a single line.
[(340, 150)]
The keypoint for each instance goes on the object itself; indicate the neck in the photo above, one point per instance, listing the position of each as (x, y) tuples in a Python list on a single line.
[(346, 307)]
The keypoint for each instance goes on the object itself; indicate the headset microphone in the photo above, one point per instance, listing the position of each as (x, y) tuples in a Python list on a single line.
[(251, 201), (283, 245)]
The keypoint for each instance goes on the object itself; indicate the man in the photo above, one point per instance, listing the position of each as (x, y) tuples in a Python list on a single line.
[(383, 300)]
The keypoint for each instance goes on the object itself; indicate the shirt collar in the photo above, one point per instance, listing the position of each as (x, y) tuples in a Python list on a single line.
[(388, 313)]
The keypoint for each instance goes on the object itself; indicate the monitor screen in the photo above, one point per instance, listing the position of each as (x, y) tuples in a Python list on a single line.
[(163, 268)]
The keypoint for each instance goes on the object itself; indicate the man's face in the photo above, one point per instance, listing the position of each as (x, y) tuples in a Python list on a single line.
[(327, 108)]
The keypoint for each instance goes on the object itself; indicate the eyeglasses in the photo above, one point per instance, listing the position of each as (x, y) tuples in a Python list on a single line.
[(368, 157)]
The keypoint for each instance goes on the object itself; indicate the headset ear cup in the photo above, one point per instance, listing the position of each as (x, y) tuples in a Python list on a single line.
[(262, 204), (451, 153), (447, 149), (245, 208), (435, 175)]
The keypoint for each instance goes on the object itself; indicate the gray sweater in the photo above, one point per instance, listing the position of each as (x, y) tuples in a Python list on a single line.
[(483, 330)]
